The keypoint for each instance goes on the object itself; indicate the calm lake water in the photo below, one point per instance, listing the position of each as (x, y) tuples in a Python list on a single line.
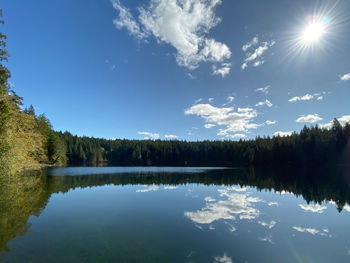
[(152, 214)]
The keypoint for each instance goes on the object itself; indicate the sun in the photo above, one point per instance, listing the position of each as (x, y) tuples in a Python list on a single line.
[(313, 32)]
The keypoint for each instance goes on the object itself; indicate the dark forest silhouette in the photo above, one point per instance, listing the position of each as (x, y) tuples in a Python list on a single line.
[(312, 146)]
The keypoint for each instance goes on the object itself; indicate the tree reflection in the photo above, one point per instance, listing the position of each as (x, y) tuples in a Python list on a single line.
[(25, 196)]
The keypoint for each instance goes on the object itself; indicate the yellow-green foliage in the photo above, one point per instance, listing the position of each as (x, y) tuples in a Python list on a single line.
[(20, 198), (26, 140)]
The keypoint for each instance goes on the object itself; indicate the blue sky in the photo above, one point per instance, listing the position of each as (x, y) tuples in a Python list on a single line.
[(186, 69)]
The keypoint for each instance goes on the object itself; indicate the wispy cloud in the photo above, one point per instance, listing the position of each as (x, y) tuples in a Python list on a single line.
[(283, 133), (149, 135), (209, 125), (267, 239), (312, 231), (223, 70), (310, 118), (264, 89), (236, 136), (269, 225), (315, 208), (235, 121), (126, 20), (198, 100), (229, 100), (270, 122), (250, 44), (254, 52), (170, 136), (182, 24), (191, 76), (345, 77), (305, 97), (262, 103), (148, 189)]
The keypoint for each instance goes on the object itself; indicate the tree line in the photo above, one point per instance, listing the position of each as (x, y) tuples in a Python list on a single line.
[(312, 146)]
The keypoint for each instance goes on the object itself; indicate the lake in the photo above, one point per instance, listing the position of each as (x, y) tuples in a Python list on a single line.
[(167, 214)]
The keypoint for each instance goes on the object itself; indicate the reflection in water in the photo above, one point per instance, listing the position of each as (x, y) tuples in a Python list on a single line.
[(314, 208), (312, 231), (20, 198), (223, 259), (268, 225), (235, 205), (24, 196)]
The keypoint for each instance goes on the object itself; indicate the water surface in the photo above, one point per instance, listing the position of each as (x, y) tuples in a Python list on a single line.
[(175, 215)]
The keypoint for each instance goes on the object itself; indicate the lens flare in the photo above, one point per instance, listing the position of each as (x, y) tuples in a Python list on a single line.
[(313, 32)]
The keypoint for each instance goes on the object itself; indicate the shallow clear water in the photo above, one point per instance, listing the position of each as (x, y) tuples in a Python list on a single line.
[(171, 215)]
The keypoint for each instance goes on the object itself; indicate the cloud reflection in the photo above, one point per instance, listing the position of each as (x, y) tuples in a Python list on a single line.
[(223, 259), (148, 189), (312, 231), (268, 225), (267, 239), (235, 205), (315, 208)]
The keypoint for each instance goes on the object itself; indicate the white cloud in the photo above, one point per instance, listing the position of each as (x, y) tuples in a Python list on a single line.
[(223, 70), (268, 225), (170, 136), (191, 76), (244, 66), (315, 208), (211, 99), (239, 121), (311, 231), (258, 63), (320, 98), (170, 187), (126, 20), (236, 136), (282, 133), (254, 52), (148, 189), (270, 122), (229, 99), (311, 118), (235, 205), (198, 101), (209, 125), (264, 89), (262, 103), (272, 203), (345, 77), (183, 24), (342, 120), (223, 259), (251, 43), (209, 199), (149, 135), (305, 97)]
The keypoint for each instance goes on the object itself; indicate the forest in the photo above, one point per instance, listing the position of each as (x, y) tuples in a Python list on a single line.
[(312, 146)]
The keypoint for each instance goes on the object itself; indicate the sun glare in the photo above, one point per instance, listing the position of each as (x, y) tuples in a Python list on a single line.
[(313, 32)]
